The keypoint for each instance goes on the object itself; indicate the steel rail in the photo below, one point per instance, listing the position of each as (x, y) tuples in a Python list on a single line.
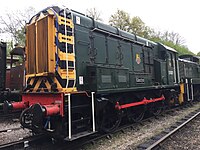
[(158, 142), (29, 141), (9, 130), (82, 142), (23, 143), (9, 115)]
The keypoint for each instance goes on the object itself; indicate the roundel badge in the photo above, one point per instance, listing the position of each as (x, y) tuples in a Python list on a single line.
[(138, 60)]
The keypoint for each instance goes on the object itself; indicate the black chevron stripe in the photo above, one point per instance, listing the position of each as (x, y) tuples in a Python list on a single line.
[(71, 63), (62, 45), (62, 63), (35, 82), (38, 90), (62, 82), (71, 83), (62, 30), (49, 79), (29, 80), (42, 85)]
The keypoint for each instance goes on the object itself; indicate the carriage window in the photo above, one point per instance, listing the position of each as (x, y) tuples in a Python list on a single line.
[(16, 61)]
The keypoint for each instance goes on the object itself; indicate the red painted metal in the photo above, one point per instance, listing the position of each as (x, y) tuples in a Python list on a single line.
[(51, 109), (53, 103), (19, 105), (55, 100), (143, 102)]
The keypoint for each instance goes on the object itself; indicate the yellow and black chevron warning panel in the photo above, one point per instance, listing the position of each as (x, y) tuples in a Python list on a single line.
[(50, 53), (65, 71)]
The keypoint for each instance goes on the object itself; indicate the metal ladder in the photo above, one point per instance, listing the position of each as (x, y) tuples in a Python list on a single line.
[(86, 133), (70, 56)]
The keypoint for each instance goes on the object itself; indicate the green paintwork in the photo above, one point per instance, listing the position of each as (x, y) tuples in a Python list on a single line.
[(189, 68), (100, 78), (160, 72), (112, 60)]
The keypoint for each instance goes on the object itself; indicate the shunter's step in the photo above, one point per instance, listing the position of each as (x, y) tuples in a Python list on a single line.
[(79, 135)]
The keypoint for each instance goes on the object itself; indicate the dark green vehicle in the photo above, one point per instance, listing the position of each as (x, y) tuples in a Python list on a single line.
[(190, 75), (84, 76)]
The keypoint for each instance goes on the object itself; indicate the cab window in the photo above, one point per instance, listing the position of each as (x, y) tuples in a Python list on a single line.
[(171, 59)]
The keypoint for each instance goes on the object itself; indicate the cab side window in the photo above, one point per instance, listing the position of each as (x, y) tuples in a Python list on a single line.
[(171, 60)]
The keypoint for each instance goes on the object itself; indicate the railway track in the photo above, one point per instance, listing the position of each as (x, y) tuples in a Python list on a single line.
[(10, 130), (32, 142), (87, 140), (13, 115), (156, 141), (25, 142), (77, 144)]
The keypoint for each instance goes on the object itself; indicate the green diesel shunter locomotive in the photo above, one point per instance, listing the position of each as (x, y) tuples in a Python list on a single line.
[(84, 76)]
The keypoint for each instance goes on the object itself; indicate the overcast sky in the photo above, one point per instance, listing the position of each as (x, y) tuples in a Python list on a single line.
[(180, 16)]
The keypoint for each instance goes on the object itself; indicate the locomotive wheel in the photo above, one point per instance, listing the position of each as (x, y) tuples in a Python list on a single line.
[(26, 118), (136, 114), (171, 98), (111, 118), (157, 108)]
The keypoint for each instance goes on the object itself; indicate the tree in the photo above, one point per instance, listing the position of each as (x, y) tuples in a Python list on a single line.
[(120, 19), (173, 37), (92, 12), (10, 46), (13, 23), (135, 25)]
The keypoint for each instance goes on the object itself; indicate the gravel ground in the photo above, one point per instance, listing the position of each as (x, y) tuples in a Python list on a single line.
[(187, 138), (6, 124), (130, 138), (15, 135)]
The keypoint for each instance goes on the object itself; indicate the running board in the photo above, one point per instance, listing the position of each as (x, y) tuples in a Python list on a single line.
[(79, 135)]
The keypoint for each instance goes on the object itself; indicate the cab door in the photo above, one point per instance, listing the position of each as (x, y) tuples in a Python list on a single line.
[(171, 68)]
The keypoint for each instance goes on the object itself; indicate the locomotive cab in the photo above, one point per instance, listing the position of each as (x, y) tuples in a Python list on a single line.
[(166, 70)]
